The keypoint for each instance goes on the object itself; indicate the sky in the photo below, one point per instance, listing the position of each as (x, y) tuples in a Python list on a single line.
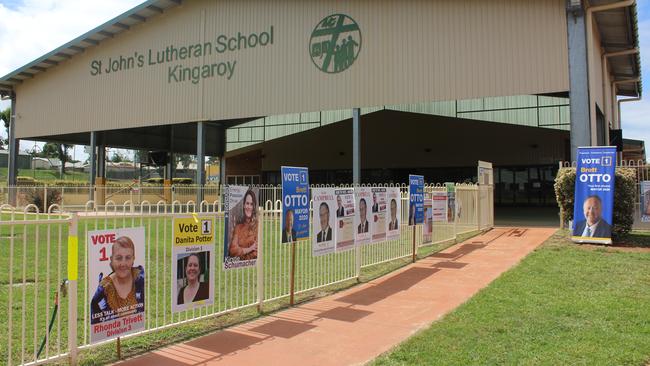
[(31, 28)]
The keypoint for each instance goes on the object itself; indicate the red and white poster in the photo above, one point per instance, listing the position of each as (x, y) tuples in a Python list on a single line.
[(116, 282), (362, 222)]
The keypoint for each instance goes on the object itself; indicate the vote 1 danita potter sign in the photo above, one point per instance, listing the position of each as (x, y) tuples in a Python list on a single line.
[(594, 195), (295, 203)]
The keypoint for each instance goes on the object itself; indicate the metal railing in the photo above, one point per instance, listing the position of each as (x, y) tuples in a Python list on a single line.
[(42, 261)]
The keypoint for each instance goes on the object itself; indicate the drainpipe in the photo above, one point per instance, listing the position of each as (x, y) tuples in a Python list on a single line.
[(637, 98), (590, 59)]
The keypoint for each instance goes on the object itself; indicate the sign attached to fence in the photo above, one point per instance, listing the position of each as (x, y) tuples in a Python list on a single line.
[(345, 211), (362, 222), (439, 206), (451, 202), (324, 238), (485, 174), (295, 203), (192, 262), (427, 228), (241, 236), (594, 195), (116, 260), (645, 201), (378, 214), (416, 199), (394, 202)]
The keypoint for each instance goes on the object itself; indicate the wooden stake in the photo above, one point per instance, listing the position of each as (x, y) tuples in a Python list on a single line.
[(119, 349)]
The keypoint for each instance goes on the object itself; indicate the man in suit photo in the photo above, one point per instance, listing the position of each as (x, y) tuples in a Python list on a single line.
[(393, 224), (375, 205), (594, 226), (363, 225), (325, 233), (289, 233), (340, 211)]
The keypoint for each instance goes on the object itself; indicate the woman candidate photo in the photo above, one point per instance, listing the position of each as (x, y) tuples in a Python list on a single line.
[(194, 290), (244, 239), (119, 293)]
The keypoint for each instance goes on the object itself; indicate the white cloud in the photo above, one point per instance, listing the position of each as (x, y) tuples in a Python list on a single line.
[(32, 28)]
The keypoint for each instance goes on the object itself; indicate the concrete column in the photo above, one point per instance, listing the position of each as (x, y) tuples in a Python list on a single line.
[(220, 132), (200, 161), (14, 143), (171, 166), (578, 77), (93, 163), (356, 146), (100, 182)]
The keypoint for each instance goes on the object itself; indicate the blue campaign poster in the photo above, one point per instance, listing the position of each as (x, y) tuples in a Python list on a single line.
[(295, 203), (594, 195), (416, 199)]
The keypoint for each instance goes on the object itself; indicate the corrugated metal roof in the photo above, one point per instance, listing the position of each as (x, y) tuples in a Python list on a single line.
[(618, 32), (119, 24)]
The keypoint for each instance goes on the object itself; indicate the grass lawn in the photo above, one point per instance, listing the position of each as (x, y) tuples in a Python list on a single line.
[(46, 175), (564, 304)]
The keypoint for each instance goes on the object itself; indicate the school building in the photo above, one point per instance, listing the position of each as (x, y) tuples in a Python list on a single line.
[(358, 91)]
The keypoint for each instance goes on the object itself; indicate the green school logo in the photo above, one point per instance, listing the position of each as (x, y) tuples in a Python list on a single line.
[(335, 43)]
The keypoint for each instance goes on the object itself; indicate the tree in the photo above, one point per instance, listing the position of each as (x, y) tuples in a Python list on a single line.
[(5, 116), (55, 150), (185, 160)]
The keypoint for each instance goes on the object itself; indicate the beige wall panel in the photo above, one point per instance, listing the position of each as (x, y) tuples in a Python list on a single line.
[(412, 51)]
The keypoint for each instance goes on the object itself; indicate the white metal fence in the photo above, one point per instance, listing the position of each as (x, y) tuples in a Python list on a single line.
[(42, 256)]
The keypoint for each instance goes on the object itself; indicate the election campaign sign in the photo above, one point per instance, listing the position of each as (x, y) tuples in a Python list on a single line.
[(362, 222), (295, 203), (241, 232), (192, 262), (324, 238), (394, 202), (116, 282), (345, 210), (416, 199), (594, 195)]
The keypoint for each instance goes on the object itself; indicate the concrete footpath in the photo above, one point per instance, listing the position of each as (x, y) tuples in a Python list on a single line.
[(356, 325)]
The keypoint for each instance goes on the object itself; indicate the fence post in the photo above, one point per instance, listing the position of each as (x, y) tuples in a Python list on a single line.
[(357, 263), (478, 206), (260, 261), (293, 273), (455, 213), (45, 198), (73, 271)]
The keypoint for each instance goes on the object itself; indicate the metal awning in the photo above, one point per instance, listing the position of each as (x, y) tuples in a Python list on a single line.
[(619, 32), (117, 25)]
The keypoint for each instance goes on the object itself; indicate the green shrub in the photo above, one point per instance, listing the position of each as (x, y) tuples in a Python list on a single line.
[(26, 181), (182, 181), (155, 180), (35, 196), (624, 198)]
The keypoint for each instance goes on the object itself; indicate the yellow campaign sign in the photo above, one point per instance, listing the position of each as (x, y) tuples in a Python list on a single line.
[(193, 230)]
